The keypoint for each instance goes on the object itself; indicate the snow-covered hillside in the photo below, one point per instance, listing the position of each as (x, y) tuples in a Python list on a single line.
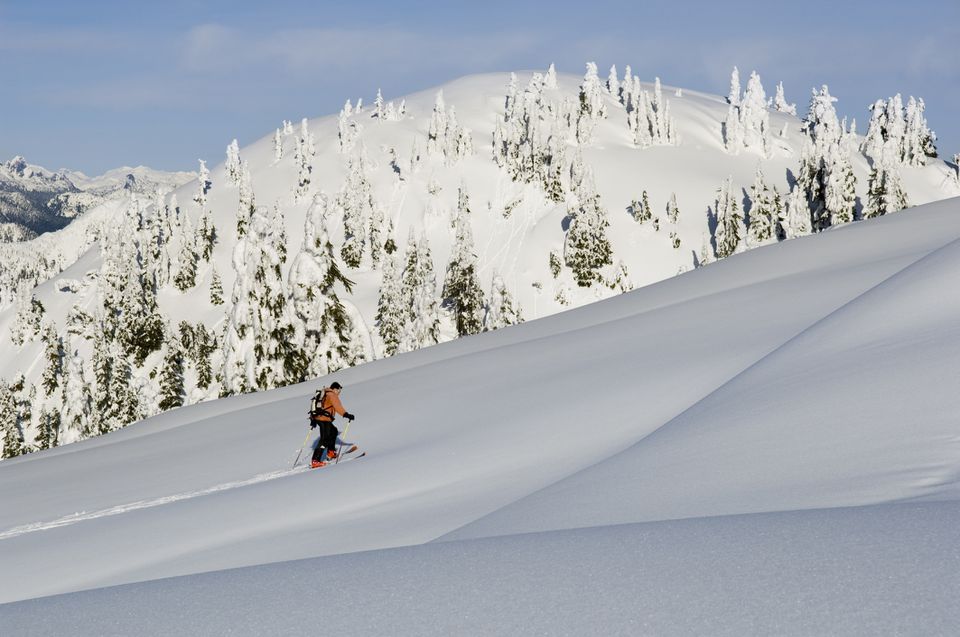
[(765, 445), (535, 199)]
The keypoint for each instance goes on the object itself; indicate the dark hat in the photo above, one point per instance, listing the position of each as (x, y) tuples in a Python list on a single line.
[(335, 385)]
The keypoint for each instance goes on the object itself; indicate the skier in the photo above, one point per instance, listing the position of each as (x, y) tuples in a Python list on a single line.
[(326, 407)]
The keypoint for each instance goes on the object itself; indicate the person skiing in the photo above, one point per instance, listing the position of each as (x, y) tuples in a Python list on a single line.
[(326, 407)]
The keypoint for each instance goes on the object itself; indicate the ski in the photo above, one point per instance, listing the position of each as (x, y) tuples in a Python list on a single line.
[(332, 463)]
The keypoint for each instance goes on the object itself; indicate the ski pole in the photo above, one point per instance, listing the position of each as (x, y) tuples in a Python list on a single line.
[(340, 450), (302, 445)]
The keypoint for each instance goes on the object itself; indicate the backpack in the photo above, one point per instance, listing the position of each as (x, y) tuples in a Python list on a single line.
[(316, 405)]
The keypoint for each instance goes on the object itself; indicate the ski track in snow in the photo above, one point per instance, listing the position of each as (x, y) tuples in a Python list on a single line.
[(81, 516)]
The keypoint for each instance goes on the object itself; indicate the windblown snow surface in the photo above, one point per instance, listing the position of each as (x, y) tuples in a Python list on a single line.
[(766, 445)]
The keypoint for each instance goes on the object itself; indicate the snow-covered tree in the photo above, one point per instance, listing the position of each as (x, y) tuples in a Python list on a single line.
[(76, 401), (53, 355), (11, 422), (592, 106), (797, 214), (355, 202), (247, 204), (216, 287), (762, 222), (461, 287), (919, 140), (840, 194), (186, 276), (391, 312), (613, 82), (733, 98), (422, 327), (587, 249), (885, 193), (550, 79), (754, 117), (233, 163), (328, 334), (730, 234), (203, 185), (277, 146), (437, 133), (780, 102), (26, 324), (171, 375), (502, 310)]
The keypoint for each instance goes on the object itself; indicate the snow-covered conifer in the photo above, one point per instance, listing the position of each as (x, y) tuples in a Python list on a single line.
[(919, 140), (732, 130), (885, 193), (840, 195), (328, 333), (592, 107), (798, 214), (203, 185), (730, 234), (186, 276), (53, 354), (437, 134), (233, 163), (502, 310), (754, 117), (277, 146), (461, 286), (248, 203), (378, 107), (172, 392), (586, 248), (733, 97), (762, 222), (76, 401), (422, 327), (550, 79), (780, 102), (613, 82)]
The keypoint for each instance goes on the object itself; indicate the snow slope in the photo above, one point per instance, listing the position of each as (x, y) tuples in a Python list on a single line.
[(767, 445)]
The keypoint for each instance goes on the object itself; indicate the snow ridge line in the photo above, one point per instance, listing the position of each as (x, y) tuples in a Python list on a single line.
[(444, 537), (81, 516)]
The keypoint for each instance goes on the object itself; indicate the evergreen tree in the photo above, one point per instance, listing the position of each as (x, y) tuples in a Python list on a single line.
[(391, 312), (248, 203), (733, 98), (355, 200), (48, 429), (53, 353), (11, 425), (437, 133), (798, 214), (76, 401), (422, 327), (233, 163), (186, 276), (919, 140), (762, 220), (171, 375), (203, 185), (730, 232), (277, 146), (324, 327), (592, 107), (206, 236), (587, 248), (840, 192), (216, 288), (780, 102), (278, 359), (754, 117), (502, 310), (461, 287), (885, 193)]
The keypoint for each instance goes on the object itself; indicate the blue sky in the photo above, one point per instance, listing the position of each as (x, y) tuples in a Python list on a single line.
[(96, 84)]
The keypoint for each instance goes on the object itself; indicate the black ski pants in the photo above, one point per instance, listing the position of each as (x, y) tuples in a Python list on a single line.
[(328, 439)]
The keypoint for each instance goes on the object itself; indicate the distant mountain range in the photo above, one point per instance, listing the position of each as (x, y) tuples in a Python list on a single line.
[(34, 200)]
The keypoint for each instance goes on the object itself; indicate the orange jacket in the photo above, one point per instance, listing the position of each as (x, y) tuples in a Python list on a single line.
[(331, 403)]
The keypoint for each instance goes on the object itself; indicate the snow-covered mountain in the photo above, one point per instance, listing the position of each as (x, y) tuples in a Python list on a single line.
[(34, 200), (506, 197), (767, 445)]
